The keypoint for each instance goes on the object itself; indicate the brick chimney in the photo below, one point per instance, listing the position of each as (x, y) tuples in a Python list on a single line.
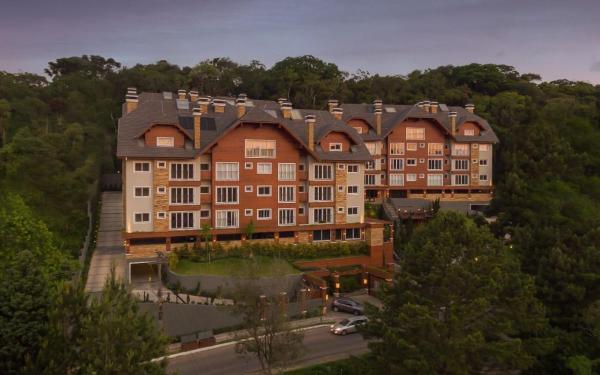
[(378, 113), (452, 118), (337, 113), (310, 121), (197, 118), (426, 105), (434, 107), (203, 102), (193, 96), (240, 106), (470, 107), (377, 104), (219, 105), (131, 100), (332, 103), (181, 94), (286, 109)]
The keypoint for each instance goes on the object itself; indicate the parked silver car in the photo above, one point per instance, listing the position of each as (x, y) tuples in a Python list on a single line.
[(348, 305), (349, 325)]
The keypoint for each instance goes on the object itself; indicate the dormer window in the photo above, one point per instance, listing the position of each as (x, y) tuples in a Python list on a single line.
[(165, 142), (358, 129), (335, 147), (470, 132)]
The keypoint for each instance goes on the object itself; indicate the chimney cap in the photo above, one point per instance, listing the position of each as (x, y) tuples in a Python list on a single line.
[(196, 111), (434, 103), (181, 91), (286, 104), (378, 102), (243, 95), (203, 99), (333, 101), (218, 101), (282, 100), (452, 114), (377, 111), (310, 118), (470, 105), (193, 92), (240, 101), (337, 110)]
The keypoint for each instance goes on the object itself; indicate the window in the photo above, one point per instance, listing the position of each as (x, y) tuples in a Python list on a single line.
[(182, 195), (141, 192), (263, 214), (397, 148), (411, 177), (248, 188), (484, 147), (353, 234), (352, 189), (475, 146), (204, 167), (435, 164), (352, 168), (369, 179), (301, 210), (227, 218), (461, 179), (370, 165), (204, 214), (322, 215), (411, 147), (264, 168), (161, 164), (321, 235), (182, 171), (436, 149), (287, 194), (301, 167), (470, 132), (421, 175), (204, 189), (461, 165), (460, 149), (435, 180), (227, 195), (483, 162), (374, 148), (323, 172), (421, 145), (397, 164), (352, 210), (323, 193), (165, 141), (161, 215), (142, 217), (161, 190), (248, 212), (228, 172), (141, 167), (335, 147), (396, 179), (263, 190), (340, 188), (257, 148), (411, 162), (341, 167), (182, 220), (340, 210), (286, 171), (287, 216), (415, 134), (474, 161), (358, 129), (248, 165), (483, 177)]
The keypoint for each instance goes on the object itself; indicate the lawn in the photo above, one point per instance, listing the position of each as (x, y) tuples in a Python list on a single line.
[(267, 266)]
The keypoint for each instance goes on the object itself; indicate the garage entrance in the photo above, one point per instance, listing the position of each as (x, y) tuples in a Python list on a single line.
[(145, 273)]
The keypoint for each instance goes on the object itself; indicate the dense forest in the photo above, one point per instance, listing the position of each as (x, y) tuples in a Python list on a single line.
[(57, 134)]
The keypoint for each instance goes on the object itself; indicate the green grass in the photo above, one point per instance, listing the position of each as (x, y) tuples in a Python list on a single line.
[(267, 266)]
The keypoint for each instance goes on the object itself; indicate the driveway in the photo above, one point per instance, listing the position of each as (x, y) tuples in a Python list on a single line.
[(109, 250)]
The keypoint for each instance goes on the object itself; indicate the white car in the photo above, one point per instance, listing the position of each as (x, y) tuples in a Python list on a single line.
[(347, 326)]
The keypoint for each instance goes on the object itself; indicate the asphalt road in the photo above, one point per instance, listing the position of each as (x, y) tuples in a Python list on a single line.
[(322, 346)]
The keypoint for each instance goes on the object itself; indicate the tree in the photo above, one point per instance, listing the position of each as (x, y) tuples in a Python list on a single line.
[(24, 292), (4, 117), (270, 336), (206, 234), (460, 305)]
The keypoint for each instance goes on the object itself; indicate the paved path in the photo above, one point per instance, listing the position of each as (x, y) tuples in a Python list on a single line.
[(109, 247), (322, 346)]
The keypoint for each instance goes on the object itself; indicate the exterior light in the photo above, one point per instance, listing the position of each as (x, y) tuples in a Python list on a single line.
[(365, 281), (337, 285), (326, 297)]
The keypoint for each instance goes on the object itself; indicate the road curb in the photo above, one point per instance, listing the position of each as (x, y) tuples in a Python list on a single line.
[(224, 344)]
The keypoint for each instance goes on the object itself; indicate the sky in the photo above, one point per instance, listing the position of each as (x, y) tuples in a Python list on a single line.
[(554, 38)]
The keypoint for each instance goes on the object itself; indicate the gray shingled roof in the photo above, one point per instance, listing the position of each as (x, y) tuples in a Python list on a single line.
[(389, 120), (154, 109)]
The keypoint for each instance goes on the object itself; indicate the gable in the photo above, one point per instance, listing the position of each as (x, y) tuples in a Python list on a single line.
[(338, 139), (469, 126), (160, 135), (360, 125)]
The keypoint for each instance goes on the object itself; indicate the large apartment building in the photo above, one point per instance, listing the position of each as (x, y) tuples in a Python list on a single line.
[(297, 175)]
